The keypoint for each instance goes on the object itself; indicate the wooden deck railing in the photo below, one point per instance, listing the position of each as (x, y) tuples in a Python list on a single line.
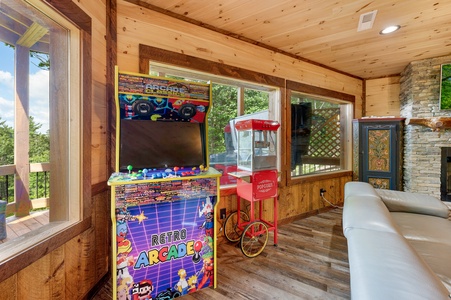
[(8, 172)]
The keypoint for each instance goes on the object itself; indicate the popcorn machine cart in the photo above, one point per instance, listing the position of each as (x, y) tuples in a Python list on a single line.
[(256, 181)]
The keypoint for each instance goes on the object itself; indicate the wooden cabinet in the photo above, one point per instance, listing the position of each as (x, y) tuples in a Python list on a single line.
[(377, 151)]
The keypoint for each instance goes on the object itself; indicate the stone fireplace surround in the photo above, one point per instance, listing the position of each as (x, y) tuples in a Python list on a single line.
[(419, 98)]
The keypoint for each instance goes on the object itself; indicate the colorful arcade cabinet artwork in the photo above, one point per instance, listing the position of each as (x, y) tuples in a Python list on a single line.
[(164, 194)]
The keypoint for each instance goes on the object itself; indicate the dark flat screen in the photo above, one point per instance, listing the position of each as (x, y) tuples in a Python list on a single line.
[(152, 144)]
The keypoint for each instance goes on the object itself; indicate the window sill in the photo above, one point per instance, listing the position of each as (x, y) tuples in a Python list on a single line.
[(22, 251), (316, 177)]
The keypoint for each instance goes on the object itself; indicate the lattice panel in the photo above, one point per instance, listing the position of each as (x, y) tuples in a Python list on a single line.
[(325, 134)]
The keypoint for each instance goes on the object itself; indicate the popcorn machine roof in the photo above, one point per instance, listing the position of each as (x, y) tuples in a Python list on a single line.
[(254, 124)]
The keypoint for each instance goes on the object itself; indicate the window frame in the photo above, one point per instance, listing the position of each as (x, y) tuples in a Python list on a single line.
[(76, 216), (318, 92), (228, 75), (149, 53), (273, 105)]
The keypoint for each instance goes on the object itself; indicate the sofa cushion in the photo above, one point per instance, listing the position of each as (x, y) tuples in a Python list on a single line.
[(423, 227), (437, 256), (384, 266), (367, 212), (413, 203)]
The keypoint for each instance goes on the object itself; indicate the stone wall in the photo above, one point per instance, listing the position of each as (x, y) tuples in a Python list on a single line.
[(419, 98)]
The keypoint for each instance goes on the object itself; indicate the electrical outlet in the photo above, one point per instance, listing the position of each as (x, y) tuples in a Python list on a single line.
[(321, 192), (222, 213)]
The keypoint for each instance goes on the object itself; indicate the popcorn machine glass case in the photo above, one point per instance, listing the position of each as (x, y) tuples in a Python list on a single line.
[(257, 145)]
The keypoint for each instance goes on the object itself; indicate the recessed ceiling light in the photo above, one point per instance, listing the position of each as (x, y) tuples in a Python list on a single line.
[(390, 29)]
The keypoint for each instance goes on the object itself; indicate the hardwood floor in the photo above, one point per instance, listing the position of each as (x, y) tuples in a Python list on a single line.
[(310, 262)]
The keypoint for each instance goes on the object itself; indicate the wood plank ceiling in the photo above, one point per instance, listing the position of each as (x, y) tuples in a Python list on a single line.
[(19, 29), (325, 31)]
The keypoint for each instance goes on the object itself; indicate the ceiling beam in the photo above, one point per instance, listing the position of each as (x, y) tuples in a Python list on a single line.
[(33, 34)]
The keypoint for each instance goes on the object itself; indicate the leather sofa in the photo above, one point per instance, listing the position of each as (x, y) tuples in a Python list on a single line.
[(399, 244)]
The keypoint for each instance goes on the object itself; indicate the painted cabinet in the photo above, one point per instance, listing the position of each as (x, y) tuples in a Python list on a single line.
[(377, 151)]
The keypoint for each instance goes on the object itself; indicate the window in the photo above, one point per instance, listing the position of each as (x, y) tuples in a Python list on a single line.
[(44, 119), (319, 134), (232, 100)]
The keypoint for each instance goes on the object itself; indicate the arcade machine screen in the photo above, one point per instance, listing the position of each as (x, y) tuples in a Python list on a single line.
[(160, 144)]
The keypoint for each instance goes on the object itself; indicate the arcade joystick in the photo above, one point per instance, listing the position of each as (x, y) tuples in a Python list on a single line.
[(129, 168), (145, 171), (176, 169), (197, 247)]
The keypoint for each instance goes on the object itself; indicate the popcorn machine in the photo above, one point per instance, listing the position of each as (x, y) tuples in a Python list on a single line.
[(256, 181)]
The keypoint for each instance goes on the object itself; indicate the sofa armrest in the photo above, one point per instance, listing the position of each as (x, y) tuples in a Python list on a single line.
[(359, 188), (397, 201)]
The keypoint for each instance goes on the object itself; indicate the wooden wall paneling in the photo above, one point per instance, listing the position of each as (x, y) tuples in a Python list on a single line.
[(311, 74), (203, 65), (102, 241), (44, 279), (94, 9), (229, 203), (9, 288), (181, 37), (175, 35), (285, 143), (382, 96), (314, 195), (111, 62), (80, 261), (98, 104), (99, 134), (98, 169), (87, 112), (315, 90)]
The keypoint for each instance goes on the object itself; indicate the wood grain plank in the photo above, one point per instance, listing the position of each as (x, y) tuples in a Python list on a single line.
[(102, 225), (38, 273), (6, 286), (79, 264)]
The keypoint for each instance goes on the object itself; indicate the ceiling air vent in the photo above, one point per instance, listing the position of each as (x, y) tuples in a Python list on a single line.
[(367, 20)]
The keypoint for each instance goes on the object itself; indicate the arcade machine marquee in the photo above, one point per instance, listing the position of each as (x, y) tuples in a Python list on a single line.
[(164, 194)]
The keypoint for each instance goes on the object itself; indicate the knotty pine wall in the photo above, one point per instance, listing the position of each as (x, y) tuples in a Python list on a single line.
[(73, 269), (138, 25), (382, 96)]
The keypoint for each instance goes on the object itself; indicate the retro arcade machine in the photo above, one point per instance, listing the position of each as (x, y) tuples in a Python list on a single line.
[(256, 181), (164, 194)]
